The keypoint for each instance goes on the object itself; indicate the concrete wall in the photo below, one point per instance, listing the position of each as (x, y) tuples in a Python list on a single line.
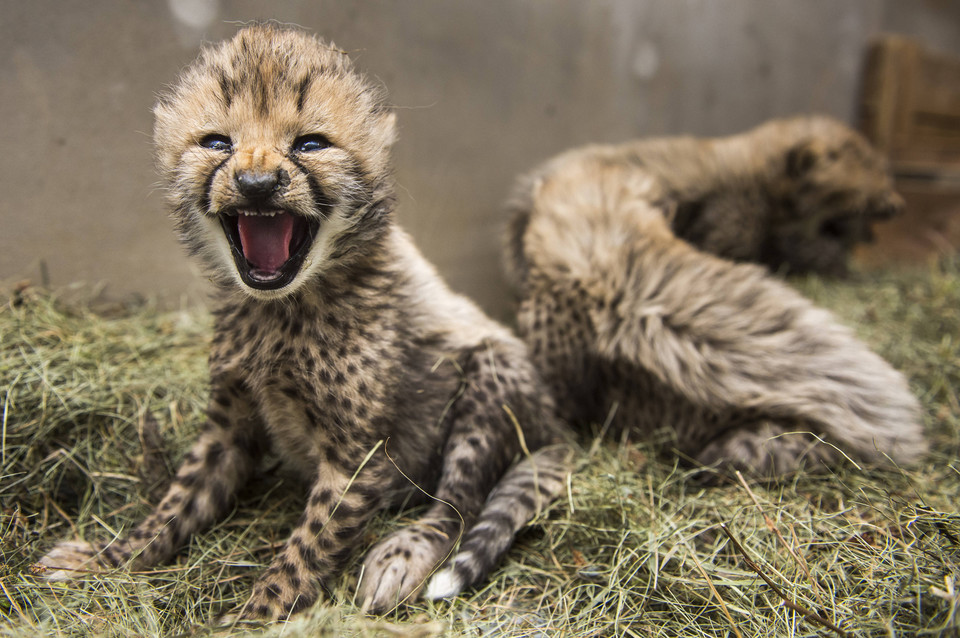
[(484, 91)]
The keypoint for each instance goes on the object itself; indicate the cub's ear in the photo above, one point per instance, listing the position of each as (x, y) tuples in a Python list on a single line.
[(387, 127), (801, 158)]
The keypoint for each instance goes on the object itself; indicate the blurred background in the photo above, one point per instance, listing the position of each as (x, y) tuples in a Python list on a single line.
[(484, 91)]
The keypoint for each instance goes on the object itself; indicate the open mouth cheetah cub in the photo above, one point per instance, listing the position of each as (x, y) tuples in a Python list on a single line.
[(336, 344)]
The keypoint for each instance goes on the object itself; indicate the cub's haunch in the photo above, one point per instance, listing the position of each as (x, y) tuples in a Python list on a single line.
[(334, 342)]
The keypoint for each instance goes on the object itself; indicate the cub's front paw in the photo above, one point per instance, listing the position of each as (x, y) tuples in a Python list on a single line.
[(69, 559), (396, 569)]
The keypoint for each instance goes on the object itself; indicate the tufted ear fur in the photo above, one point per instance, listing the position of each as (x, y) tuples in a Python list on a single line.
[(801, 158), (387, 128)]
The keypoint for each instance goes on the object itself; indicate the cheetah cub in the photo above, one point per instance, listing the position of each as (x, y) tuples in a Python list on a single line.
[(794, 194), (627, 322), (336, 344)]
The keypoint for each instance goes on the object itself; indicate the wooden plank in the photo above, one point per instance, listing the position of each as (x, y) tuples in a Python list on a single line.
[(910, 107)]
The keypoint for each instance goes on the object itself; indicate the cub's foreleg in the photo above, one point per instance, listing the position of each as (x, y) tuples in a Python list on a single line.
[(342, 499), (213, 470)]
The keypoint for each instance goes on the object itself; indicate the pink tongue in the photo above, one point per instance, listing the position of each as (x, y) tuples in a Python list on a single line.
[(265, 240)]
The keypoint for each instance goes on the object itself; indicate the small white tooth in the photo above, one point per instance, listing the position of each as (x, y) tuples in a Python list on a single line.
[(259, 213)]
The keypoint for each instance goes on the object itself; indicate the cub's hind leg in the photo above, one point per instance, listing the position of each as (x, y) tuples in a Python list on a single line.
[(213, 470), (482, 443), (769, 449)]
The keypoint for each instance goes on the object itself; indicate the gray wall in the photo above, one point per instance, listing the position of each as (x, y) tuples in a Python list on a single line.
[(484, 91)]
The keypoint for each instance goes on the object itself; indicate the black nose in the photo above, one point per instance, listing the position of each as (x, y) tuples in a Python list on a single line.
[(256, 184)]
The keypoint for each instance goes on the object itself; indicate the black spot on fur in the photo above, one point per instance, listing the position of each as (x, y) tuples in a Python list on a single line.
[(340, 556), (114, 555), (333, 457), (214, 453), (189, 508), (218, 418), (296, 327), (272, 592), (346, 534), (302, 89), (346, 511), (220, 496), (302, 602), (526, 500), (370, 493), (226, 88), (307, 555), (188, 480)]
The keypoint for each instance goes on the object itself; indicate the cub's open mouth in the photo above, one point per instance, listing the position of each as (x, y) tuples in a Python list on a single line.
[(268, 245)]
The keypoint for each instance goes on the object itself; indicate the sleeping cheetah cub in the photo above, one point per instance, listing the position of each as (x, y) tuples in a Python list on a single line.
[(628, 322), (335, 343), (794, 194)]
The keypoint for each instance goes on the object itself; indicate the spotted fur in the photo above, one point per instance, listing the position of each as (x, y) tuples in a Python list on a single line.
[(628, 322), (353, 362)]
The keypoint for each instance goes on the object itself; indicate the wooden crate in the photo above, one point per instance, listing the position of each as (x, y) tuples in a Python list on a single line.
[(911, 108)]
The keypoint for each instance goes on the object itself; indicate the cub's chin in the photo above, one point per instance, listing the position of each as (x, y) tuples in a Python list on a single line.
[(268, 246)]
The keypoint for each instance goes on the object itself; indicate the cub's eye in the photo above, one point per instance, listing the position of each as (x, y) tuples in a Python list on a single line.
[(216, 142), (310, 143)]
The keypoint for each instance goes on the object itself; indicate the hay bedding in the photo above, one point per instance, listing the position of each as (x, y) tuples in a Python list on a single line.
[(98, 406)]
